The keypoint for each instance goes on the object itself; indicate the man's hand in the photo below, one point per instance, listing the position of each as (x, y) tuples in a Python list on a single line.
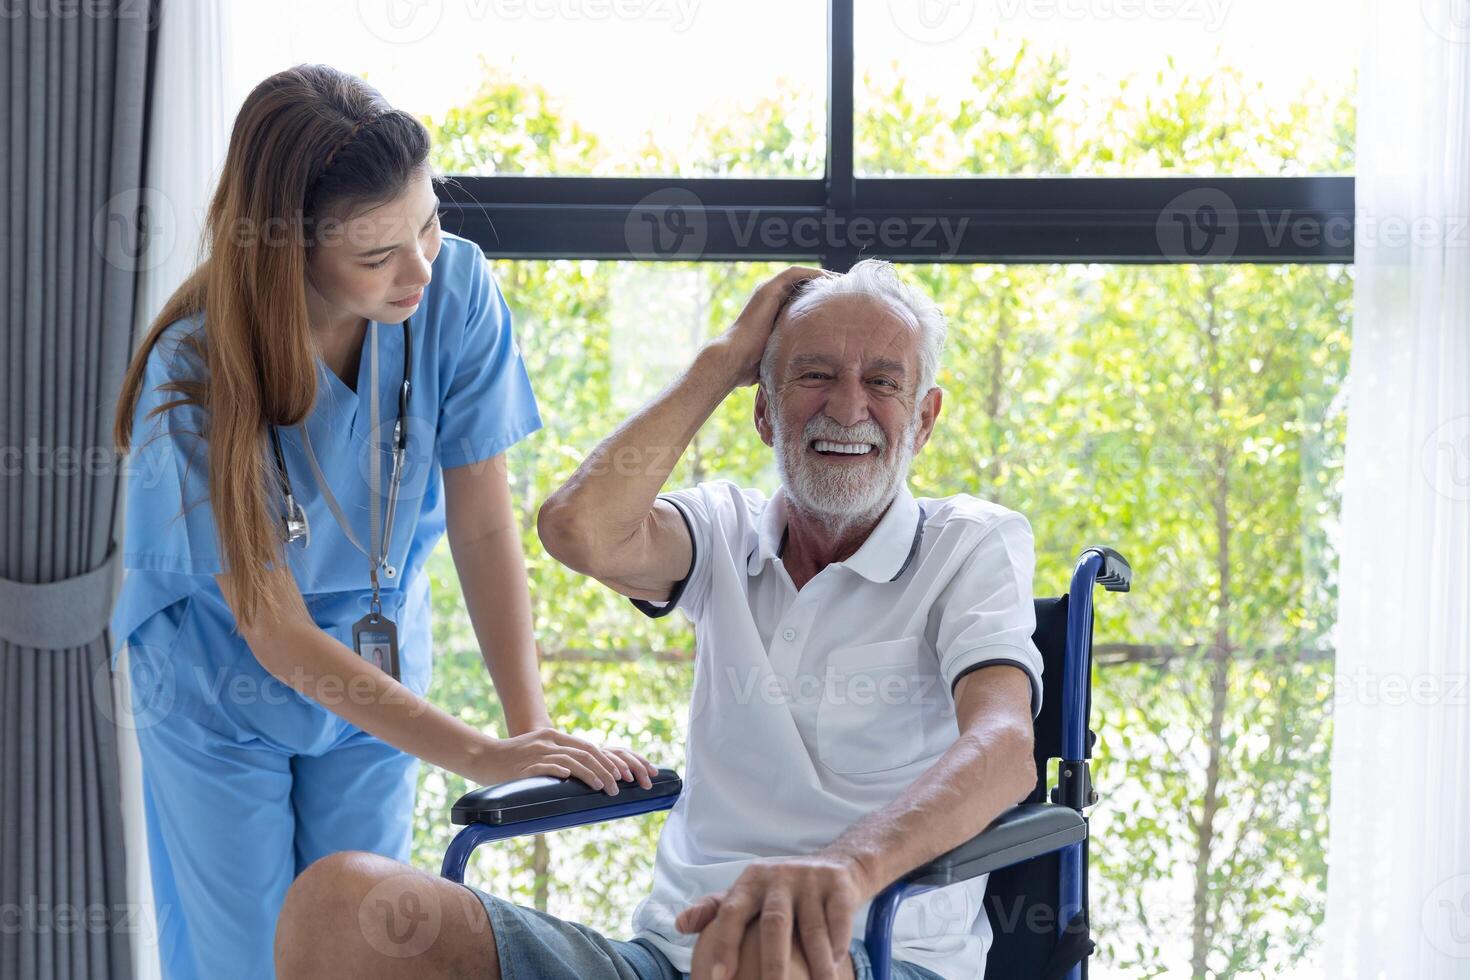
[(811, 898), (745, 342)]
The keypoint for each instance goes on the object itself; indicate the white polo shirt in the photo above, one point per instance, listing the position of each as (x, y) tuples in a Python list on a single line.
[(811, 709)]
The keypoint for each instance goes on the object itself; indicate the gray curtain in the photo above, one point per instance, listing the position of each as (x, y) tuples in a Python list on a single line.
[(72, 128)]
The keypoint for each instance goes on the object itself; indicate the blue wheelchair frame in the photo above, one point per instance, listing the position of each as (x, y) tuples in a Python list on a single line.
[(1026, 831)]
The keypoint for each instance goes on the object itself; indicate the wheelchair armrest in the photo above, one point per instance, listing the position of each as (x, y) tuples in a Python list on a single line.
[(535, 797), (1022, 832)]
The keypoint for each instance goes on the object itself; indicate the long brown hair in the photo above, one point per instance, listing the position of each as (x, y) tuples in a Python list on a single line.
[(309, 143)]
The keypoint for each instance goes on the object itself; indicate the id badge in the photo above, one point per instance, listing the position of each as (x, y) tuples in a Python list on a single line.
[(375, 638)]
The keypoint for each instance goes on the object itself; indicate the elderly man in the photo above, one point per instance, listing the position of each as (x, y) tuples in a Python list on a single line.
[(865, 679)]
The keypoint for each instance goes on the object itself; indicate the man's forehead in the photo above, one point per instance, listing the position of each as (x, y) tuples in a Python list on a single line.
[(849, 328)]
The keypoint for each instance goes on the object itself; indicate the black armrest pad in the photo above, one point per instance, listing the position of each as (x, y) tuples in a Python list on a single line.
[(546, 796), (1026, 831)]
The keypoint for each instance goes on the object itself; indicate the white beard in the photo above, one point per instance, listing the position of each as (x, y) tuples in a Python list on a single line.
[(842, 493)]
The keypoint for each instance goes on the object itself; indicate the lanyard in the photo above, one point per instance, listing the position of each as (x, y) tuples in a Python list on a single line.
[(378, 541)]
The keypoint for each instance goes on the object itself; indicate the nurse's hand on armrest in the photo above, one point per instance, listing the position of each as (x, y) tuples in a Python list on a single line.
[(315, 664), (548, 752)]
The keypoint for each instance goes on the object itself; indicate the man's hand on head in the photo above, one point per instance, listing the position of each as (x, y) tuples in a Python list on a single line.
[(804, 903), (745, 341)]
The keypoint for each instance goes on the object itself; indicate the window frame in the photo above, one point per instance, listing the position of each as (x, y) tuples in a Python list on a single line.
[(1279, 220)]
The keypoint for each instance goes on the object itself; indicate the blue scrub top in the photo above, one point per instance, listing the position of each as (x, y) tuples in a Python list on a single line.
[(471, 401)]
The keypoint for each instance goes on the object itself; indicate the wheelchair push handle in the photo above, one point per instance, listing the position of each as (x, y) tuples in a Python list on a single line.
[(1115, 575)]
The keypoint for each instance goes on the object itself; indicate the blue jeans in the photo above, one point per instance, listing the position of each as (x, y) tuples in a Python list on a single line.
[(535, 946)]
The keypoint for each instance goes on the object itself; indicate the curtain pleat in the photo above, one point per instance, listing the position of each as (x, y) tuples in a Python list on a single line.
[(72, 122), (1398, 884)]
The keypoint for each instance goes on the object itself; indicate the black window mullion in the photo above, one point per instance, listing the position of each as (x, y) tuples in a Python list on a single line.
[(839, 252)]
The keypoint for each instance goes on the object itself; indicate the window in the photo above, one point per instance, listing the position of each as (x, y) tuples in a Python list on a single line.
[(1150, 316), (1104, 87), (574, 87)]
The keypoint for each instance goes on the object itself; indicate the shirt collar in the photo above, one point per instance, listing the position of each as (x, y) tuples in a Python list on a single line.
[(883, 557)]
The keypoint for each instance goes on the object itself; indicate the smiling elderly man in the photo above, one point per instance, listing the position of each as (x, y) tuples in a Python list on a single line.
[(865, 680)]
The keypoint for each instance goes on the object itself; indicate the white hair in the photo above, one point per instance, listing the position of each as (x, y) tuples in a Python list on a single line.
[(879, 281)]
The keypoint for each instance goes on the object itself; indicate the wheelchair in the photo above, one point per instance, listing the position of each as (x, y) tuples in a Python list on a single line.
[(1035, 853)]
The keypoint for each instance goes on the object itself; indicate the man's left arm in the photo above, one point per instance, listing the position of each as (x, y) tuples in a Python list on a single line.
[(810, 901)]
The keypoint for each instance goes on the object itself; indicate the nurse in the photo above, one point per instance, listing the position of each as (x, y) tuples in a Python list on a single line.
[(331, 390)]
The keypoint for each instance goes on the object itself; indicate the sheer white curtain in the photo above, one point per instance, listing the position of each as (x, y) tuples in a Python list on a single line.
[(189, 116), (1398, 897)]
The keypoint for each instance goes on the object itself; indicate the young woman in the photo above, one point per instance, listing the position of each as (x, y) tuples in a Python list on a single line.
[(331, 389)]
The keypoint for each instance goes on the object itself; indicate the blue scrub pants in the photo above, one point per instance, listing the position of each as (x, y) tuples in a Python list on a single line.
[(232, 821)]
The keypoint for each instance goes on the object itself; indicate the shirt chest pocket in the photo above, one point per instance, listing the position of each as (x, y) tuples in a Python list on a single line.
[(871, 714)]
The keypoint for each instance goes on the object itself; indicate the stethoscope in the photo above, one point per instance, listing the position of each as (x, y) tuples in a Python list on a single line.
[(295, 526)]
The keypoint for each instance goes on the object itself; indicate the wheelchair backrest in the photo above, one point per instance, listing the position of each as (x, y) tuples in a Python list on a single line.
[(1051, 639), (1022, 900)]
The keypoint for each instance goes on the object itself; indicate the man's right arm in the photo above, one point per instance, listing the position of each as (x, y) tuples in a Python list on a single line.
[(607, 521)]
